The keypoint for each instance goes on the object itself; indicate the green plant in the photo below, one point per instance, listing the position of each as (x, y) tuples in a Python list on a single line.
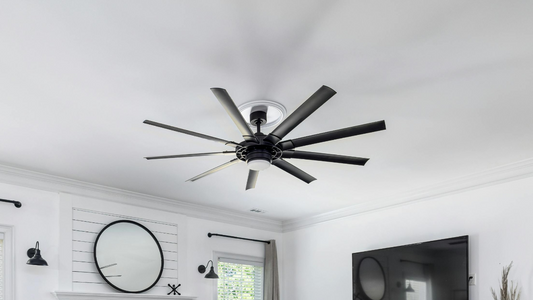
[(508, 289)]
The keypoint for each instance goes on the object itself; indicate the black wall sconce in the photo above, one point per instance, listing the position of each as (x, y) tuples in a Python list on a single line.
[(211, 274), (35, 256)]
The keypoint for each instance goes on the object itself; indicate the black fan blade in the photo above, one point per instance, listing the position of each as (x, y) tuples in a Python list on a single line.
[(332, 135), (196, 134), (301, 113), (230, 107), (191, 155), (223, 166), (341, 159), (291, 169), (252, 179)]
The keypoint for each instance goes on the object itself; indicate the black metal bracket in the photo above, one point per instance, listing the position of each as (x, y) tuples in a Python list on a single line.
[(16, 203), (30, 252), (202, 268)]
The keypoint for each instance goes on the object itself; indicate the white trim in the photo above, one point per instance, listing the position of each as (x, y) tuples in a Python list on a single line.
[(501, 174), (233, 256), (9, 259), (65, 239), (109, 296), (53, 183)]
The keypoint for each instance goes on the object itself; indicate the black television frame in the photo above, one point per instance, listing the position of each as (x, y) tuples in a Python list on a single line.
[(364, 254)]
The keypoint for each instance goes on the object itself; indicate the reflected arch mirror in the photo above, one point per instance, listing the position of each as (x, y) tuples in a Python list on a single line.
[(371, 279), (128, 256)]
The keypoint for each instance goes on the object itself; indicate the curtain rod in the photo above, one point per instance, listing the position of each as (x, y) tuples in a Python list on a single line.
[(236, 237), (16, 203)]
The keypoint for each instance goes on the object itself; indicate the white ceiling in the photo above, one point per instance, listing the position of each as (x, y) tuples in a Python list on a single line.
[(452, 79)]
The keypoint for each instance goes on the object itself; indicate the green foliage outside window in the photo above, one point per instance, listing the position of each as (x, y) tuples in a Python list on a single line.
[(239, 281)]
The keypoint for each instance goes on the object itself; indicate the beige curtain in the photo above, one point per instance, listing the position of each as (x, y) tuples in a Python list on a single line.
[(271, 291)]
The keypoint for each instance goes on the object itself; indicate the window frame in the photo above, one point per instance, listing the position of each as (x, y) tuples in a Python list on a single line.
[(237, 257), (9, 258)]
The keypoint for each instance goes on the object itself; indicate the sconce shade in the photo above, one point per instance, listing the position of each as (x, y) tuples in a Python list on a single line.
[(211, 274), (35, 256)]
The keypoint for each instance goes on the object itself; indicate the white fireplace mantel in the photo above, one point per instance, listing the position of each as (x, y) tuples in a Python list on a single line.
[(115, 296)]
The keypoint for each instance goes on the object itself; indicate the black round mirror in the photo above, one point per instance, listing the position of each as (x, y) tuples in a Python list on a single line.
[(371, 279), (128, 256)]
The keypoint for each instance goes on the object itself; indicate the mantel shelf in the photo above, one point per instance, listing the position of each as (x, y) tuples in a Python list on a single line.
[(115, 296)]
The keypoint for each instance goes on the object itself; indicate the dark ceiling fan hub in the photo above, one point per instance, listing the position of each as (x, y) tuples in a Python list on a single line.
[(261, 154), (265, 152), (260, 150)]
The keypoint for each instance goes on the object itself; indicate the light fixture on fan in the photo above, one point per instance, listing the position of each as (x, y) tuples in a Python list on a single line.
[(258, 164)]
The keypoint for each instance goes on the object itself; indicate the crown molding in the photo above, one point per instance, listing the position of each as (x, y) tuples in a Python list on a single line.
[(59, 184), (501, 174), (32, 179)]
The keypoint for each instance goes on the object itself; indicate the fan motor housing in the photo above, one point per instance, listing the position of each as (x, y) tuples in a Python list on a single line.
[(262, 154), (263, 150)]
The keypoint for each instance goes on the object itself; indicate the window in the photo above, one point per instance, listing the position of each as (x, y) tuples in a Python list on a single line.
[(240, 278)]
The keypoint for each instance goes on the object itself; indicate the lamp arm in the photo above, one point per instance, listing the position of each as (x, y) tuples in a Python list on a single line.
[(207, 264), (202, 268)]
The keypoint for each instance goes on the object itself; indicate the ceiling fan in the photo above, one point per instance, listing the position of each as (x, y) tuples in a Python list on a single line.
[(260, 151)]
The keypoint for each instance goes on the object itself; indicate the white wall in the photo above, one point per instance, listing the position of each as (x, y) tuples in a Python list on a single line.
[(36, 220), (316, 261), (498, 219), (46, 216)]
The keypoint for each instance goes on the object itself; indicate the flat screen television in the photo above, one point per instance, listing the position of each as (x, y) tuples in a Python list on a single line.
[(435, 270)]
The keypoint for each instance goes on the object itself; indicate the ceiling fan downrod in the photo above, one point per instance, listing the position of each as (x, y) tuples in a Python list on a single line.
[(259, 158)]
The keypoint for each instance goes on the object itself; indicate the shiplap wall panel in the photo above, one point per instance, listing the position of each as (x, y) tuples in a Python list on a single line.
[(84, 267), (86, 224), (82, 257)]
